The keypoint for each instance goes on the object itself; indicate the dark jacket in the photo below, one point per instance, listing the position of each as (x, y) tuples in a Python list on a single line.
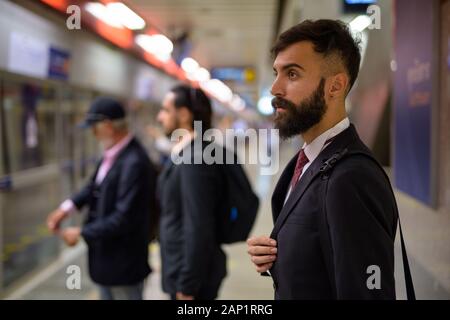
[(117, 228), (190, 198), (361, 221)]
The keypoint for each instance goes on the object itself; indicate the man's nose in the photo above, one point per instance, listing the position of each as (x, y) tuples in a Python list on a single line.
[(277, 88)]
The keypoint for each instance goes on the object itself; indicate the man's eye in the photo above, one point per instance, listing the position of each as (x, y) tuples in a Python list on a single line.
[(292, 75)]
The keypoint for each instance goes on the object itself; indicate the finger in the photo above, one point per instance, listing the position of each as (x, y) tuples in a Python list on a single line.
[(264, 267), (50, 218), (261, 241), (54, 227), (260, 250), (263, 259)]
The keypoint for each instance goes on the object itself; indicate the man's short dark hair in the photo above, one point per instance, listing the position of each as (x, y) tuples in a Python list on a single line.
[(328, 37)]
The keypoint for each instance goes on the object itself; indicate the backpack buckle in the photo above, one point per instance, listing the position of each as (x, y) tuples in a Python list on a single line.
[(329, 164)]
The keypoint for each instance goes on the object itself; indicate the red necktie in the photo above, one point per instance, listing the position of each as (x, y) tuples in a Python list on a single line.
[(302, 160)]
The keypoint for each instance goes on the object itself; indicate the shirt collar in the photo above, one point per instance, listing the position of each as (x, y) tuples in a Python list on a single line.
[(313, 149), (119, 146)]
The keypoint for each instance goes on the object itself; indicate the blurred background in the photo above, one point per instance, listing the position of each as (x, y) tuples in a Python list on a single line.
[(56, 56)]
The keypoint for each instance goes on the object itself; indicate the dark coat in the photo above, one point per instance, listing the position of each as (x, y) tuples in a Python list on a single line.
[(117, 227), (361, 219), (190, 198)]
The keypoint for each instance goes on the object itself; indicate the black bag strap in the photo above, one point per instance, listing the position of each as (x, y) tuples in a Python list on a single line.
[(326, 171), (324, 237)]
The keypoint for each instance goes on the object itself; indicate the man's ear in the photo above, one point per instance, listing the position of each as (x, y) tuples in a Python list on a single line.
[(338, 85)]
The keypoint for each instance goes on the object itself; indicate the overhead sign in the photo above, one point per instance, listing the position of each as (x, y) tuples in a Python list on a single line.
[(356, 6), (59, 63), (28, 55)]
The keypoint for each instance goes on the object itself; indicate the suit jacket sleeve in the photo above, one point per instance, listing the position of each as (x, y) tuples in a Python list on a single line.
[(360, 213), (123, 219), (84, 195), (199, 192)]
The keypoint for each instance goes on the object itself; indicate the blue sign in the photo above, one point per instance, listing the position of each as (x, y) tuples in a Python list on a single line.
[(356, 6), (413, 98), (359, 1), (5, 183), (59, 64), (237, 74)]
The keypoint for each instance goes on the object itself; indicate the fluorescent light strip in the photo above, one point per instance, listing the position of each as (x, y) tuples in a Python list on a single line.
[(100, 11), (158, 45), (125, 15), (360, 23)]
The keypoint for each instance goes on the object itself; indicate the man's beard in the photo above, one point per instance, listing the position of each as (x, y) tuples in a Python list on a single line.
[(299, 119)]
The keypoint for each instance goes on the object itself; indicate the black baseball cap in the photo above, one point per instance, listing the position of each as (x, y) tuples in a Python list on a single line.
[(103, 108)]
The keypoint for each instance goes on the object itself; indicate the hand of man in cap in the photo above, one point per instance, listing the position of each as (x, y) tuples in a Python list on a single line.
[(54, 219), (71, 235)]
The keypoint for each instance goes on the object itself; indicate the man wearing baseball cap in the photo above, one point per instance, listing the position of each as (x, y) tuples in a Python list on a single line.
[(119, 197)]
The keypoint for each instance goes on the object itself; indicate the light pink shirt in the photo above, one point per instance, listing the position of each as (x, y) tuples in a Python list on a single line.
[(109, 157)]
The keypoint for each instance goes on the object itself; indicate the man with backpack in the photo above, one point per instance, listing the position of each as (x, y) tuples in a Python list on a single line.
[(334, 211), (193, 199)]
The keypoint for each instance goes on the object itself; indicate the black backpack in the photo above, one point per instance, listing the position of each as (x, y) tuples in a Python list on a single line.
[(240, 205)]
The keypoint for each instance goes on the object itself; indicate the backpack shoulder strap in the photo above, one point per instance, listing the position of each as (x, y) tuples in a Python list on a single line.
[(326, 170)]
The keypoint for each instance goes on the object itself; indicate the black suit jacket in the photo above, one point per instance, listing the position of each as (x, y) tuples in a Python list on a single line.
[(361, 220), (117, 227), (190, 198)]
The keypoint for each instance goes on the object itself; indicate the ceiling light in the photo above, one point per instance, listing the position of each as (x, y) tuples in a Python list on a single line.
[(218, 89), (201, 75), (157, 44), (265, 105), (189, 65), (125, 15), (164, 57), (360, 23), (237, 103), (100, 11)]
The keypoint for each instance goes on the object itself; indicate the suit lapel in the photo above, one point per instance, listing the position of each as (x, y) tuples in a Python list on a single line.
[(296, 194), (281, 188), (340, 142)]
